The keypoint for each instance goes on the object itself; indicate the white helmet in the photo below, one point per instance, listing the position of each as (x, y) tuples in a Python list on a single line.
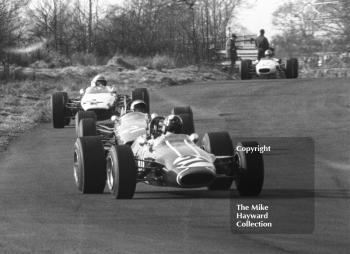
[(268, 53), (99, 80), (138, 106)]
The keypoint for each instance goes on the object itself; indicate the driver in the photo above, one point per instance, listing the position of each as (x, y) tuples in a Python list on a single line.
[(268, 54), (100, 82), (138, 106), (172, 124)]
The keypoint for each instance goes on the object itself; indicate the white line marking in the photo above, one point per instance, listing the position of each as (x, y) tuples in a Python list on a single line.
[(192, 148), (173, 148)]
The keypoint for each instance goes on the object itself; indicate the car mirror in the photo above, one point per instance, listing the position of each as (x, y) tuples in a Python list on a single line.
[(81, 91), (194, 137)]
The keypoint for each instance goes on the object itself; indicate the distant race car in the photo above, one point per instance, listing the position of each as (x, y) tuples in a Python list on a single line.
[(171, 159), (269, 67), (94, 102)]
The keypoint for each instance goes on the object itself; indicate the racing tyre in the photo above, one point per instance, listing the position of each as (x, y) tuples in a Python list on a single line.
[(250, 170), (219, 144), (245, 69), (89, 165), (186, 115), (121, 172), (66, 99), (292, 67), (87, 127), (58, 103), (141, 94), (83, 115)]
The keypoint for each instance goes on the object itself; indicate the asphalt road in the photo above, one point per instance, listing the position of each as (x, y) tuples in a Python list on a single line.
[(41, 210)]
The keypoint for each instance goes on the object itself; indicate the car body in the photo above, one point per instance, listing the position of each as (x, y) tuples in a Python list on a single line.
[(175, 160), (100, 102), (98, 98), (269, 67)]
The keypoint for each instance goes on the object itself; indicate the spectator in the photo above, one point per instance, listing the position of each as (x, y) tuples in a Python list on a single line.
[(262, 44), (231, 50)]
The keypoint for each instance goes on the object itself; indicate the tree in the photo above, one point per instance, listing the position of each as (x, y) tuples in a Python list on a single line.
[(335, 22), (11, 29), (298, 26)]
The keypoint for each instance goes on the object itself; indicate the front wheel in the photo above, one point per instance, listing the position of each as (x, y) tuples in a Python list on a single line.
[(87, 127), (89, 165), (292, 67), (58, 104), (121, 172), (83, 115), (249, 169), (219, 144)]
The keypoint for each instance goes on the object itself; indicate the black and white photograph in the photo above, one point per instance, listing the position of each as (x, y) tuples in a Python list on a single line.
[(174, 126)]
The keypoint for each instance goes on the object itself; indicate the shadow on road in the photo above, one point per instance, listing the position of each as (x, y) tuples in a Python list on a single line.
[(265, 195)]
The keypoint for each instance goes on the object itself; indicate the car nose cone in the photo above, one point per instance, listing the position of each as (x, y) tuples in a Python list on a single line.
[(195, 177)]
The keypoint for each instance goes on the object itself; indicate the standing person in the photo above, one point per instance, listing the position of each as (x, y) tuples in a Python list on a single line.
[(231, 50), (262, 44)]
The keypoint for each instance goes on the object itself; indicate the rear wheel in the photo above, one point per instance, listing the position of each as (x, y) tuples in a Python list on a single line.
[(89, 165), (141, 94), (87, 127), (292, 67), (245, 69), (220, 144), (83, 115), (250, 170), (66, 99), (58, 103), (121, 172), (186, 115)]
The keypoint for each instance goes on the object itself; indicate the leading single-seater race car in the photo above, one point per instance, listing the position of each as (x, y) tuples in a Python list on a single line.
[(269, 67), (94, 102), (167, 159)]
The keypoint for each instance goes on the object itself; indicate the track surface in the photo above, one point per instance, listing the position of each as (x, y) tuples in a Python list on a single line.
[(41, 210)]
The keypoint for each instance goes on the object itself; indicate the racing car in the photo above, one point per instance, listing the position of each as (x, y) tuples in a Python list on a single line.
[(94, 102), (269, 67), (167, 157), (123, 129)]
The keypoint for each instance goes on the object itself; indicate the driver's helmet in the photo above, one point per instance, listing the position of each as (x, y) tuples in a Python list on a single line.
[(138, 106), (268, 53), (99, 80), (173, 124)]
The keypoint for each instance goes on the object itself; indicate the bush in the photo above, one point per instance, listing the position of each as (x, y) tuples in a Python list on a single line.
[(162, 61), (156, 62)]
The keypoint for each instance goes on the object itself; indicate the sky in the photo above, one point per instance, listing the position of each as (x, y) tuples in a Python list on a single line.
[(259, 16)]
